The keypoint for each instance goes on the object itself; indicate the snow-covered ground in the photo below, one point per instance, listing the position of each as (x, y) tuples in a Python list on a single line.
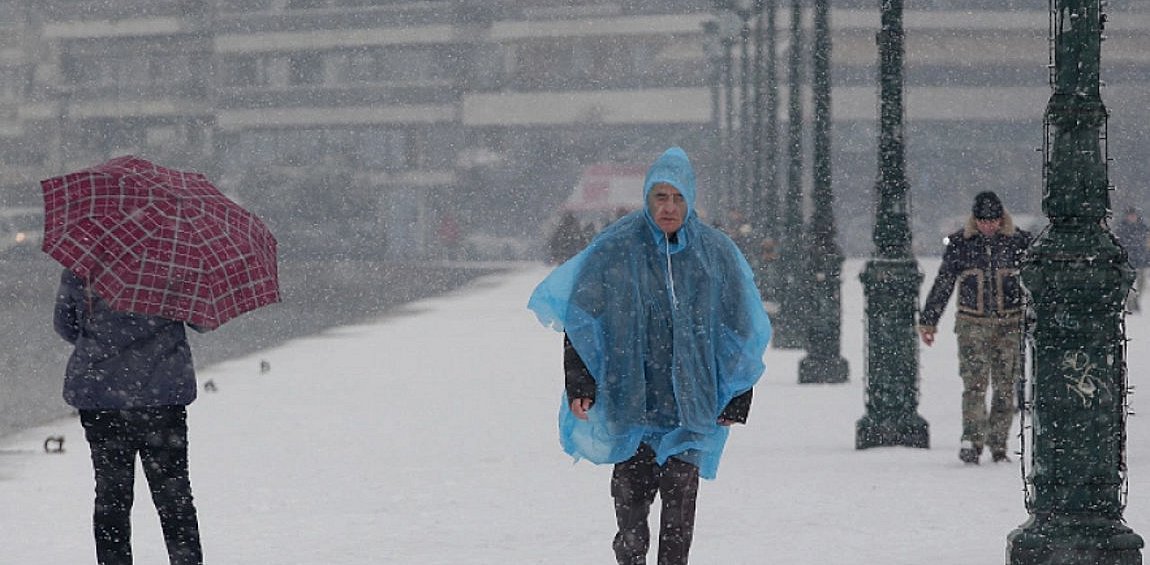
[(429, 437)]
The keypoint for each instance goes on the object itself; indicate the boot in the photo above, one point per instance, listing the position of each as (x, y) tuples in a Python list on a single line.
[(969, 453)]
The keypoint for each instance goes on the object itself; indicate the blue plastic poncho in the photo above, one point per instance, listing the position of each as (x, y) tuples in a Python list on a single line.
[(671, 329)]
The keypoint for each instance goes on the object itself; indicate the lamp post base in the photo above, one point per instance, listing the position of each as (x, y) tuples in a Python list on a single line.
[(908, 431), (1073, 540), (787, 333), (830, 370)]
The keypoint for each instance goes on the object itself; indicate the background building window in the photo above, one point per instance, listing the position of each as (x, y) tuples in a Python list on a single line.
[(305, 68), (242, 71)]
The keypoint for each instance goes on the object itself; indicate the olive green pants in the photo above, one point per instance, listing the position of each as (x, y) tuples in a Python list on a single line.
[(988, 355)]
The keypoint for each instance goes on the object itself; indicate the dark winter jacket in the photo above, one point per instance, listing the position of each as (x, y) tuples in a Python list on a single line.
[(580, 384), (985, 270), (1134, 237), (121, 360)]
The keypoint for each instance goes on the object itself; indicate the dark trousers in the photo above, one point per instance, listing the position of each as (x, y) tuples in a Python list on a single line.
[(160, 436), (634, 483)]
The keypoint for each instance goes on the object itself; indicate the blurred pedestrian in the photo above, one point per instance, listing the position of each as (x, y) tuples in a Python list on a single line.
[(664, 339), (450, 236), (130, 376), (1134, 236), (740, 231), (983, 260), (568, 238)]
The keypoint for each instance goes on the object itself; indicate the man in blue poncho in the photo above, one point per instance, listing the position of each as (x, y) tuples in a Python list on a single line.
[(664, 338)]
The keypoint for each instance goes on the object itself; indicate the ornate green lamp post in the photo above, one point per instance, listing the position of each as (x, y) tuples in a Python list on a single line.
[(891, 278), (1077, 278), (824, 362), (790, 321)]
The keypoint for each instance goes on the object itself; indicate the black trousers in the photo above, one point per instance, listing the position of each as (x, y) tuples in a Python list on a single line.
[(160, 436), (634, 483)]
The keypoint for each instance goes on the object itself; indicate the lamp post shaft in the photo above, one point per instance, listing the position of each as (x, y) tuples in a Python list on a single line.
[(771, 135), (758, 201), (746, 129), (717, 158), (729, 174), (790, 324), (767, 217)]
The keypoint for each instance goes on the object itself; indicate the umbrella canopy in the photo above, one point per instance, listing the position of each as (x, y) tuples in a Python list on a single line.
[(157, 241)]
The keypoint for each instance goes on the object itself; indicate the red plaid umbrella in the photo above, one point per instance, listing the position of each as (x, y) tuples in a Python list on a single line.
[(158, 241)]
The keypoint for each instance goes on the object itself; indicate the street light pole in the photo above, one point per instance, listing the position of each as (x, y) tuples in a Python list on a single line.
[(767, 275), (771, 137), (758, 203), (728, 27), (745, 152), (1077, 278), (790, 321), (824, 362), (891, 278), (748, 153), (713, 50)]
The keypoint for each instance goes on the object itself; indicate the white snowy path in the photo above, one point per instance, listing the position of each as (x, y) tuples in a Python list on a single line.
[(429, 437)]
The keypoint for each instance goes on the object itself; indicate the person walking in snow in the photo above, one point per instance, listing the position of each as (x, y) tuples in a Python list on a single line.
[(568, 238), (983, 259), (1134, 236), (130, 376), (664, 335)]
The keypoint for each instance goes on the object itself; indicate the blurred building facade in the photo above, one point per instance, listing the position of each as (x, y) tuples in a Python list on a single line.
[(362, 126)]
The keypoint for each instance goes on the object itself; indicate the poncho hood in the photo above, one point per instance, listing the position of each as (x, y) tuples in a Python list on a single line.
[(670, 334), (673, 168)]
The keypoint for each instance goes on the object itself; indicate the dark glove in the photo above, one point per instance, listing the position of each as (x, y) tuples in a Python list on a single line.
[(738, 408)]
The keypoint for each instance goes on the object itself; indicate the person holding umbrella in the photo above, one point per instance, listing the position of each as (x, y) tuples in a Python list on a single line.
[(147, 252), (131, 376)]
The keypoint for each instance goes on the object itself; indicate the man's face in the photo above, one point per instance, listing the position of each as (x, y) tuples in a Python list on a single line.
[(989, 227), (667, 207)]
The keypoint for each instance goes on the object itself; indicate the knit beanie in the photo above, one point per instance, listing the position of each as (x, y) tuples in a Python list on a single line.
[(987, 206)]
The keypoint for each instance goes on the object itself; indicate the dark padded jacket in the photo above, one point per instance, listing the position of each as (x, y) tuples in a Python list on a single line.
[(121, 360), (985, 270)]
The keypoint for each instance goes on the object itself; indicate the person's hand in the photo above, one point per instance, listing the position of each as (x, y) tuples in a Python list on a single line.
[(580, 406), (927, 335), (727, 422)]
